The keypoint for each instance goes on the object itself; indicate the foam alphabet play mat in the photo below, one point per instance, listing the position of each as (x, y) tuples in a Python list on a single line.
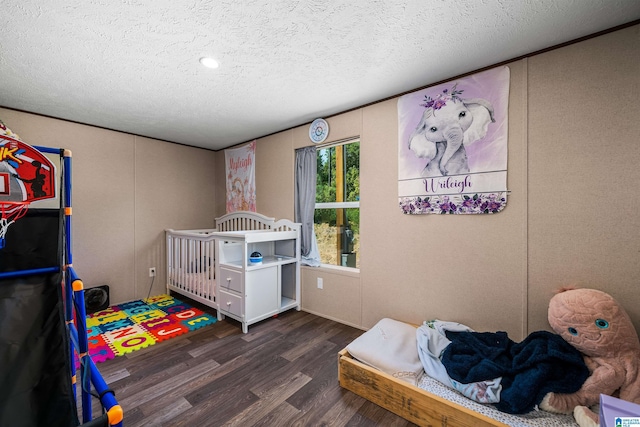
[(124, 328)]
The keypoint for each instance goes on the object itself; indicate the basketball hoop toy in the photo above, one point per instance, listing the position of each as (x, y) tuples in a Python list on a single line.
[(27, 175), (10, 212)]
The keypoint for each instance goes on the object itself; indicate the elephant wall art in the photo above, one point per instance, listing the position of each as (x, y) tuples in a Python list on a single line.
[(448, 125), (453, 146)]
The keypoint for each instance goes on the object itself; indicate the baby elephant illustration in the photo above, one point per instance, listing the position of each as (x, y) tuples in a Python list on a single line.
[(445, 128)]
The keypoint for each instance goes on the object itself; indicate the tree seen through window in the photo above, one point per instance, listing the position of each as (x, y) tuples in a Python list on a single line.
[(337, 212)]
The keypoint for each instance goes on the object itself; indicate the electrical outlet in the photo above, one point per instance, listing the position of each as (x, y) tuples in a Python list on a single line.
[(320, 284), (152, 272)]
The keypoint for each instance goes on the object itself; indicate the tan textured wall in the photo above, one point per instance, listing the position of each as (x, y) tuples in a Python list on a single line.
[(126, 191), (220, 184), (275, 183), (584, 171), (174, 188), (571, 215)]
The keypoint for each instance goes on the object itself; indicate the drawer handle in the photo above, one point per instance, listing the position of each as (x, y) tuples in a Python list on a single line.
[(228, 279), (228, 303)]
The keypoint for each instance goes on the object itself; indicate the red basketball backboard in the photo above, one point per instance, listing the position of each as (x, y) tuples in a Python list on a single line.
[(26, 175)]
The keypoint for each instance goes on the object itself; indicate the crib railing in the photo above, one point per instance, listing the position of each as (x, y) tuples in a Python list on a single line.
[(191, 264), (243, 220)]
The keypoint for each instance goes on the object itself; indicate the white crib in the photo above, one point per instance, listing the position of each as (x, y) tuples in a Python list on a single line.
[(191, 254), (191, 258)]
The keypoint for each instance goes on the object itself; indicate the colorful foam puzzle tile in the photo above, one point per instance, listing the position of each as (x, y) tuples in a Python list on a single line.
[(169, 331), (161, 305), (109, 317), (92, 322), (101, 354), (198, 322), (97, 341), (132, 304), (177, 308), (158, 298), (132, 343), (93, 331), (148, 315), (131, 326), (186, 314), (152, 324), (112, 337), (115, 325), (138, 310)]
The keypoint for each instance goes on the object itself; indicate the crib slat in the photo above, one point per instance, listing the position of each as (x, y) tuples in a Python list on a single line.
[(191, 265)]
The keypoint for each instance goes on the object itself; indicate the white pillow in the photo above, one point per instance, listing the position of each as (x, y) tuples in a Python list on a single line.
[(392, 347)]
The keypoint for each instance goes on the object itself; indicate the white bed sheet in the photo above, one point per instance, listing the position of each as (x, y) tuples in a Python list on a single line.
[(536, 418), (195, 283)]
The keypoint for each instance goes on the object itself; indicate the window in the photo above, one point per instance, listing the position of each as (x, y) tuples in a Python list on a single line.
[(337, 210)]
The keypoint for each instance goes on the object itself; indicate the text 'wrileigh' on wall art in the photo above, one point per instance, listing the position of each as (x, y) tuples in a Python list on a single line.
[(452, 146)]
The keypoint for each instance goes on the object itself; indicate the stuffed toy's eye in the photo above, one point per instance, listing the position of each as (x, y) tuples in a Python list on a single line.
[(573, 331), (602, 324)]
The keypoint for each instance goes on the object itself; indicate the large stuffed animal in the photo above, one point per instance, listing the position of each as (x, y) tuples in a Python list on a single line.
[(594, 323)]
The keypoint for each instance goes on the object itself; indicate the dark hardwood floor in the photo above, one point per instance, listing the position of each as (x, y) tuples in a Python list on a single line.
[(282, 373)]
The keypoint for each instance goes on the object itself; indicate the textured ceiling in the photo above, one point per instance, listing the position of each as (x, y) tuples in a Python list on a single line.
[(132, 65)]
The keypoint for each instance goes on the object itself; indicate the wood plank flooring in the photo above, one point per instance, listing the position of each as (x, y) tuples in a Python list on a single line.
[(284, 372)]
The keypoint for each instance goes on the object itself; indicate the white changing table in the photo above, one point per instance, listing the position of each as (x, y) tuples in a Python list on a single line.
[(250, 292)]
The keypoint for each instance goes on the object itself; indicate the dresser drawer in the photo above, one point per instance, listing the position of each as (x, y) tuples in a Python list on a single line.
[(231, 303), (231, 280)]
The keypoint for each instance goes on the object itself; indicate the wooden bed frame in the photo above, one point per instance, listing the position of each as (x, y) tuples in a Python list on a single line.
[(408, 401)]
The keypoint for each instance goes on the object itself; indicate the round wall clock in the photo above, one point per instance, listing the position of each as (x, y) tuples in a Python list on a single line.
[(318, 131)]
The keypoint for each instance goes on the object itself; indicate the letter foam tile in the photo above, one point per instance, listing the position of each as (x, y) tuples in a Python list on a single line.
[(132, 343), (134, 325), (99, 350), (161, 305), (100, 354), (200, 321), (194, 318), (159, 298), (170, 330)]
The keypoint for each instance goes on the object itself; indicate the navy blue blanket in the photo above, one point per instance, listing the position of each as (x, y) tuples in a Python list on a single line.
[(543, 362)]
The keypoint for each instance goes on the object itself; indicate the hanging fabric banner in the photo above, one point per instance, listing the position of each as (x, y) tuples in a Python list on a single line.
[(452, 146), (241, 182)]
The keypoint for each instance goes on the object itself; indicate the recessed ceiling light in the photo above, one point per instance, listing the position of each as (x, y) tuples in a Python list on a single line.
[(209, 62)]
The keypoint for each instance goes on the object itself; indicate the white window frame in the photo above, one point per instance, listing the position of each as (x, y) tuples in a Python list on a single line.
[(338, 205)]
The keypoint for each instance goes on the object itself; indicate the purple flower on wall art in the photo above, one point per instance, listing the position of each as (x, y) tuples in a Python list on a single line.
[(452, 146)]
